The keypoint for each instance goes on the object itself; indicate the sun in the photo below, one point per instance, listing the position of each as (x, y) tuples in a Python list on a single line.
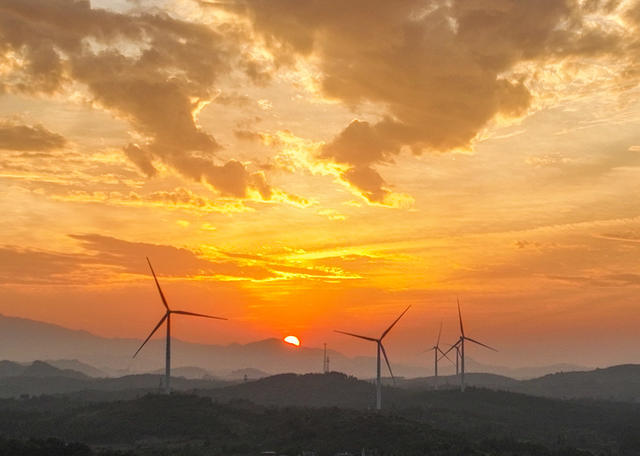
[(293, 340)]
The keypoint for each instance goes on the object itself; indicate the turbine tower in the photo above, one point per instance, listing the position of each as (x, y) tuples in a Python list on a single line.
[(384, 353), (167, 317), (437, 351), (459, 347)]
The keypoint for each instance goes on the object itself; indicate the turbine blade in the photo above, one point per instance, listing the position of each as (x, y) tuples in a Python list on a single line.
[(429, 349), (439, 334), (182, 312), (357, 335), (452, 347), (444, 355), (164, 301), (394, 323), (152, 333), (384, 352), (460, 318), (480, 343)]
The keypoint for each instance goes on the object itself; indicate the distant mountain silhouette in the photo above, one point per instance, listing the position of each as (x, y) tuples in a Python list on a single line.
[(77, 366), (11, 369), (24, 340), (38, 369), (249, 372), (190, 372), (45, 379), (45, 370)]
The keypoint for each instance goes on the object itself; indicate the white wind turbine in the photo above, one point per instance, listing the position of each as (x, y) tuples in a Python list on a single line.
[(459, 347), (384, 353), (437, 351), (167, 317)]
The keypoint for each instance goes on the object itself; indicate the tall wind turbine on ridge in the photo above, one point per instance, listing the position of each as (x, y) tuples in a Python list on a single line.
[(167, 317), (459, 346), (384, 353), (437, 351)]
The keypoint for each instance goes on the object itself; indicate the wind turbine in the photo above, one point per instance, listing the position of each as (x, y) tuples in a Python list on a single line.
[(384, 353), (437, 351), (459, 347), (457, 363), (167, 317)]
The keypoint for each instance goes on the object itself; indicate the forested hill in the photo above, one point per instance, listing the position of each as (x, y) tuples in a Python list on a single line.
[(476, 423)]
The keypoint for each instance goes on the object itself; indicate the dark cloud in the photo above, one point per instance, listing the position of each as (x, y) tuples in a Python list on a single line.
[(151, 69), (441, 69), (14, 136)]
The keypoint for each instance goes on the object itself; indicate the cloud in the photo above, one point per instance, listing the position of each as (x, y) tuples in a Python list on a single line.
[(106, 258), (588, 168), (440, 71), (627, 236), (177, 262), (18, 137), (155, 71), (24, 266)]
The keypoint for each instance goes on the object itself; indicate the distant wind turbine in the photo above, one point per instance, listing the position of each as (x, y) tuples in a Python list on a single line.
[(167, 317), (384, 353), (459, 347), (437, 352)]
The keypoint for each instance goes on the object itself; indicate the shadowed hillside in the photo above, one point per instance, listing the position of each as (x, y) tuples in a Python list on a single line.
[(185, 424), (620, 383), (482, 380), (310, 390)]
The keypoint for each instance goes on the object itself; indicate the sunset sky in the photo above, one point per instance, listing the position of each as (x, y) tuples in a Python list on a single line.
[(299, 166)]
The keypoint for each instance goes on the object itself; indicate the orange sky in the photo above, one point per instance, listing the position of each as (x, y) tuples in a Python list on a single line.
[(300, 167)]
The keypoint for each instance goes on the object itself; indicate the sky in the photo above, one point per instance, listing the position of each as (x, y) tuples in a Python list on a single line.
[(305, 166)]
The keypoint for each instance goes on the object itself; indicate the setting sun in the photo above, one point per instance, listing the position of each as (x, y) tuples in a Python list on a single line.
[(293, 340)]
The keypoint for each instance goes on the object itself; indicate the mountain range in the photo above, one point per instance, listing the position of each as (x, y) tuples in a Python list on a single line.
[(25, 340)]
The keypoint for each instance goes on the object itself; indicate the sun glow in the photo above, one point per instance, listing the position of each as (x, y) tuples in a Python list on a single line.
[(293, 340)]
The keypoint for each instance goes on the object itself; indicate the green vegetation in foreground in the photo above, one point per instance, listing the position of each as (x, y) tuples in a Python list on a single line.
[(195, 425)]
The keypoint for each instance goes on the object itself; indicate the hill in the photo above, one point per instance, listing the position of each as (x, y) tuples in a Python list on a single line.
[(308, 390), (77, 366), (620, 383), (191, 372), (10, 368), (482, 380), (49, 380), (38, 369), (187, 424)]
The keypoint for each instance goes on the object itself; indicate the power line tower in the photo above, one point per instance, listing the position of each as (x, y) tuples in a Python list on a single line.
[(325, 361)]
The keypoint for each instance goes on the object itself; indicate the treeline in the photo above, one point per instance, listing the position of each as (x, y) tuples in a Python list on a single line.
[(51, 447), (198, 426)]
